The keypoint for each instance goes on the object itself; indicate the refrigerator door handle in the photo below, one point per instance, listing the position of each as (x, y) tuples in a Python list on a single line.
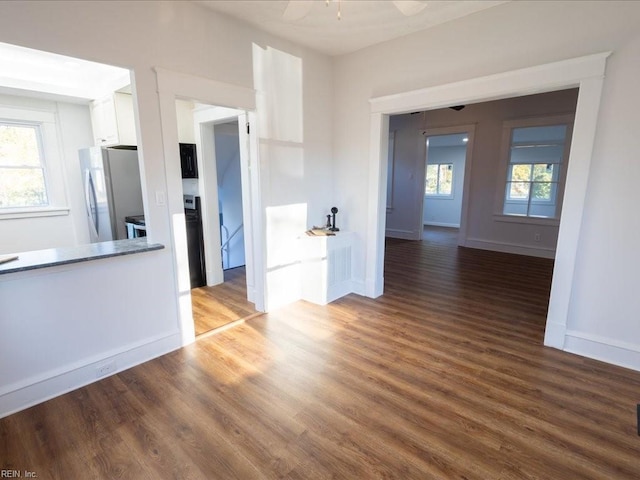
[(91, 201)]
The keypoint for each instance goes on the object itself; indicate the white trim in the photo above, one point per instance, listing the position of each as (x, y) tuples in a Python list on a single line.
[(505, 247), (505, 166), (378, 149), (51, 154), (33, 212), (402, 234), (526, 81), (358, 287), (552, 222), (441, 224), (556, 333), (205, 90), (603, 348), (43, 387), (171, 86), (585, 72)]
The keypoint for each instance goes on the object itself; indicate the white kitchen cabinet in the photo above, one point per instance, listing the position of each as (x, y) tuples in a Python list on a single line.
[(113, 120)]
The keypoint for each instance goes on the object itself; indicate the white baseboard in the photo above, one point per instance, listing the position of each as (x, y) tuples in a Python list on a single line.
[(604, 349), (373, 289), (402, 234), (554, 335), (510, 248), (359, 287), (441, 224), (33, 391)]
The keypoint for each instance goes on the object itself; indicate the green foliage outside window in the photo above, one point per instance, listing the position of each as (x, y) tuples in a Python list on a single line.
[(439, 179), (22, 182)]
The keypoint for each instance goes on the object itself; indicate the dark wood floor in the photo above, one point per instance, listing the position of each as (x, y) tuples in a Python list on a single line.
[(442, 235), (220, 305), (445, 376)]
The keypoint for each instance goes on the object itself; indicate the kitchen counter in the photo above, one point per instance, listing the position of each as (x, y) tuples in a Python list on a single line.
[(83, 253)]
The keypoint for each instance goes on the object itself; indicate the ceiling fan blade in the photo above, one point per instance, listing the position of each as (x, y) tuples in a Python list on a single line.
[(297, 9), (410, 7)]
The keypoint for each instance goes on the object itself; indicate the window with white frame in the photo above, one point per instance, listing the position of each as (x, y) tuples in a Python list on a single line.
[(31, 172), (536, 163), (22, 167), (439, 179)]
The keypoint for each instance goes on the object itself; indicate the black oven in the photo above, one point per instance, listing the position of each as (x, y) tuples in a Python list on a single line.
[(195, 241)]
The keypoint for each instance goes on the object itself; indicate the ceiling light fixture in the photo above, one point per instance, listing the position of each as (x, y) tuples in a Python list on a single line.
[(298, 9), (339, 8)]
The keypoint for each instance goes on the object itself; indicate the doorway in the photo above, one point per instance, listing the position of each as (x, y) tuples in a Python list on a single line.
[(444, 179), (585, 73), (225, 299), (172, 86), (218, 189)]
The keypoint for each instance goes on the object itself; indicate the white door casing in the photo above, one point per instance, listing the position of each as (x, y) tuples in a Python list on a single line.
[(587, 73), (173, 85)]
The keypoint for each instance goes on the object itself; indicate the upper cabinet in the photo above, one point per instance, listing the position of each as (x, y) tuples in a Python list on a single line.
[(113, 120)]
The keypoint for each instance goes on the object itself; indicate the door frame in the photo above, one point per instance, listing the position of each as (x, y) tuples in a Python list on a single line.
[(205, 122), (587, 73), (470, 131), (175, 85)]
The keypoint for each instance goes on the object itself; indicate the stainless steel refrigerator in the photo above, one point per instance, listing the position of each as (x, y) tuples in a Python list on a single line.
[(112, 190)]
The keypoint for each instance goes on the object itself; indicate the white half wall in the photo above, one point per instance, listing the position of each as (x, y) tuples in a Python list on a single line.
[(60, 324)]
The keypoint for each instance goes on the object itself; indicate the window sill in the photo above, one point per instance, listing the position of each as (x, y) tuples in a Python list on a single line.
[(438, 197), (12, 213), (551, 222)]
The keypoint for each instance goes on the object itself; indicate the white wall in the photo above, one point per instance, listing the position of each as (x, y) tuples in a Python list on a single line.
[(409, 153), (186, 134), (184, 112), (484, 229), (602, 318), (179, 37), (73, 123), (445, 211)]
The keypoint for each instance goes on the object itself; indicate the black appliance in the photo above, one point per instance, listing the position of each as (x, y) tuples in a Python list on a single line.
[(195, 240), (188, 160)]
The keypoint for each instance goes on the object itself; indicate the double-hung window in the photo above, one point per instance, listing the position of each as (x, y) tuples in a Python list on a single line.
[(31, 172), (22, 166), (537, 154)]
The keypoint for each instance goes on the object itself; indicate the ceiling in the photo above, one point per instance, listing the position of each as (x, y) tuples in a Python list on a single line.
[(363, 22), (25, 69)]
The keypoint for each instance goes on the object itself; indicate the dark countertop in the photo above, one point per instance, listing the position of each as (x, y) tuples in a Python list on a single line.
[(82, 253)]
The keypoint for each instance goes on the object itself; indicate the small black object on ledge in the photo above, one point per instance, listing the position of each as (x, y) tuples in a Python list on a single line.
[(333, 228)]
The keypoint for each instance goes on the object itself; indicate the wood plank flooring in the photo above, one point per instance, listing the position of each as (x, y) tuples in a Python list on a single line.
[(214, 307), (444, 376)]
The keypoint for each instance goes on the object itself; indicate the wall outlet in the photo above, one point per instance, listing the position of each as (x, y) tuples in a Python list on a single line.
[(536, 237), (105, 369)]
